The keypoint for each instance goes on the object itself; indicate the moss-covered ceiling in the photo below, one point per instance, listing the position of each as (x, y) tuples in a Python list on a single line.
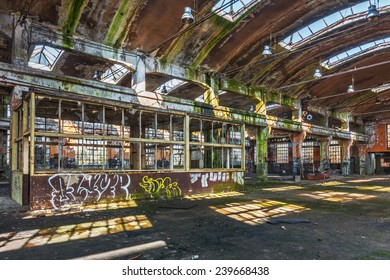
[(228, 49)]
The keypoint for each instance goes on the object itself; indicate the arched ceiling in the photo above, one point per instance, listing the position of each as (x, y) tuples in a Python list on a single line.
[(230, 49)]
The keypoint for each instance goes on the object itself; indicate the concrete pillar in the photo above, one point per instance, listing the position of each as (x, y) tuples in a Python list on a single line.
[(370, 164), (211, 94), (20, 42), (297, 139), (362, 158), (324, 153), (345, 124), (261, 146), (139, 76), (297, 115), (346, 156), (326, 119)]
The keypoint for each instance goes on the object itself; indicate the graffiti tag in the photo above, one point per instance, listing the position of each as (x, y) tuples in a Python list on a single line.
[(159, 186), (65, 187)]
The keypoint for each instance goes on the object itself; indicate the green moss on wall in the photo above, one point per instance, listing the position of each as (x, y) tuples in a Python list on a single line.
[(119, 25), (74, 13), (222, 27)]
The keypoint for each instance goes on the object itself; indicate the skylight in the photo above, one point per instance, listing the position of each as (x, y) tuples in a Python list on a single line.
[(232, 9), (356, 51), (114, 73), (272, 106), (330, 22), (167, 87), (44, 57), (381, 88)]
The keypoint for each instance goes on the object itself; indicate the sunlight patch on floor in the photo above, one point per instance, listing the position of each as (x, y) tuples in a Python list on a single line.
[(374, 188), (81, 208), (212, 195), (331, 183), (38, 237), (257, 211), (281, 189), (371, 179), (337, 196)]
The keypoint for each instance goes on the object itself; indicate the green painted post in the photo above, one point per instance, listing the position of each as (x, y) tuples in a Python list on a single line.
[(261, 146)]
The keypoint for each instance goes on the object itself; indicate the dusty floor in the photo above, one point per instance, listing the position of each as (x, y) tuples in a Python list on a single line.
[(341, 218)]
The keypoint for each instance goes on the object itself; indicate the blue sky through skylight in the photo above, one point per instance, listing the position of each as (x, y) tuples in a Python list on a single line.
[(330, 22), (356, 51), (44, 57), (114, 73), (230, 10)]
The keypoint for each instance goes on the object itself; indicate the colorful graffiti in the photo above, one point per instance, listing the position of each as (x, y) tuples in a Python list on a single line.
[(65, 187), (157, 187)]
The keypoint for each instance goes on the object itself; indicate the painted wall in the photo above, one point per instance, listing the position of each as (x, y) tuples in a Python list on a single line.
[(378, 138), (66, 189)]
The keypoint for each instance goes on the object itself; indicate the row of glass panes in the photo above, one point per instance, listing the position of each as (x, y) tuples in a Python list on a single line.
[(73, 153), (78, 118), (328, 23), (282, 152)]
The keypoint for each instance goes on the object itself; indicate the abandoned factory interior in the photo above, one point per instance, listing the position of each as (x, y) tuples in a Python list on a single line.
[(123, 99)]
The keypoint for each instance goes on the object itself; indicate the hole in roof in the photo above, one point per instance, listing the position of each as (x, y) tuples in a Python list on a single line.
[(114, 73), (231, 10), (170, 85), (44, 57), (356, 51), (330, 22)]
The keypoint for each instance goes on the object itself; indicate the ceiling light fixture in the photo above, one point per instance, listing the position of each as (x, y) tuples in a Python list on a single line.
[(373, 13), (317, 74), (164, 89), (187, 17), (267, 51), (96, 75), (350, 89)]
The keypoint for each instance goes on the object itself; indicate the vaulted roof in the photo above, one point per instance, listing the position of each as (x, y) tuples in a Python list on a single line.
[(302, 34)]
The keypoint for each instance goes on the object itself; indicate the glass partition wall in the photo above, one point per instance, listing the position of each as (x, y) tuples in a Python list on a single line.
[(76, 135)]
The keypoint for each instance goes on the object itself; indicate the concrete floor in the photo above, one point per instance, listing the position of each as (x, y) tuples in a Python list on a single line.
[(340, 218)]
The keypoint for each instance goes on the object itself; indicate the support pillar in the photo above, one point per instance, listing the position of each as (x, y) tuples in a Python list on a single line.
[(139, 76), (326, 119), (362, 158), (324, 153), (20, 41), (346, 155), (370, 165), (297, 139), (345, 124), (211, 94), (261, 145), (297, 114)]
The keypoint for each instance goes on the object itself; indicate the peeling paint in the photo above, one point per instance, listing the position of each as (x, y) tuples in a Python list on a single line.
[(223, 27), (73, 12), (119, 25)]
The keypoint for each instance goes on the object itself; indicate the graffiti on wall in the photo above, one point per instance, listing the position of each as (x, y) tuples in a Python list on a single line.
[(78, 188), (157, 187), (238, 177), (205, 178), (65, 187)]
